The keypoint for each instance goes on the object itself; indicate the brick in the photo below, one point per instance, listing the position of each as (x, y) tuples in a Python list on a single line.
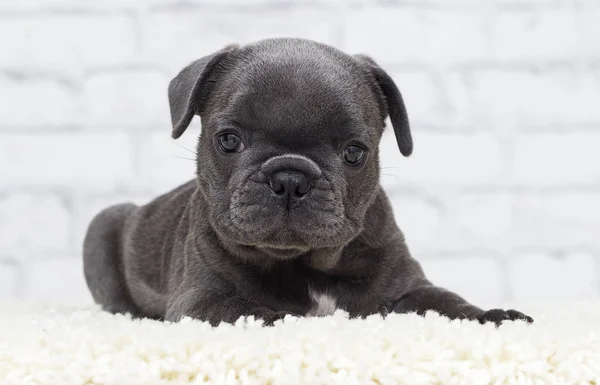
[(417, 218), (31, 5), (78, 161), (86, 208), (33, 224), (556, 220), (446, 36), (546, 278), (505, 99), (175, 38), (422, 96), (39, 103), (441, 158), (534, 34), (127, 99), (479, 219), (454, 222), (71, 5), (413, 35), (59, 281), (66, 43), (591, 30), (557, 159), (478, 279), (535, 3), (166, 163), (8, 281)]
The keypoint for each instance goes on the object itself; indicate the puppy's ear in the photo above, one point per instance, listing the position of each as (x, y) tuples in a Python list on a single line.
[(190, 89), (391, 103)]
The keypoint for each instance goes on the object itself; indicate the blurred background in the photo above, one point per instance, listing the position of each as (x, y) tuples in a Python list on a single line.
[(500, 200)]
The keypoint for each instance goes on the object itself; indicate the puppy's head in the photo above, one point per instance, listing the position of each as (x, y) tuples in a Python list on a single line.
[(288, 154)]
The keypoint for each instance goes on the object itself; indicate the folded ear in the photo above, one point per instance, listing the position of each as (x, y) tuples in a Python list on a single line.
[(391, 103), (190, 89)]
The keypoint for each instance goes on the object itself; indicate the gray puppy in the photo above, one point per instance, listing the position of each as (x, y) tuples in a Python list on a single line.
[(286, 214)]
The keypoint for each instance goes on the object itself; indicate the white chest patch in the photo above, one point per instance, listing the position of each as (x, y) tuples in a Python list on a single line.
[(322, 304)]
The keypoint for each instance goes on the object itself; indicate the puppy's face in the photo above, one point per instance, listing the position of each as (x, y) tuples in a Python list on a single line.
[(289, 158), (288, 154)]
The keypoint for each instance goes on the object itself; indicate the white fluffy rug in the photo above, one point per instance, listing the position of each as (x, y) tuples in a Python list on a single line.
[(63, 346)]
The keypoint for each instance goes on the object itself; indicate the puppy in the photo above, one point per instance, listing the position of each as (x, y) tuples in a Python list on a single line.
[(286, 214)]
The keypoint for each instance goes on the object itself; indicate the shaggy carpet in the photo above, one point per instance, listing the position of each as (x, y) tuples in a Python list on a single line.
[(63, 346)]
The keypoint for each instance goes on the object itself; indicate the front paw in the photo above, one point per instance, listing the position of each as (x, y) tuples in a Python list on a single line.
[(269, 317), (498, 316)]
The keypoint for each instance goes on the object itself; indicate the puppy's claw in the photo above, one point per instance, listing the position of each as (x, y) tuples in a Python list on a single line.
[(498, 316), (517, 315)]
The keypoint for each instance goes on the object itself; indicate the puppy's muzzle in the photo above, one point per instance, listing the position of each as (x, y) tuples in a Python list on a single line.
[(291, 176)]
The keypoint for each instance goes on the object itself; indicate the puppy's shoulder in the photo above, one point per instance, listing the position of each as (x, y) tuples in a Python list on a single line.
[(167, 208)]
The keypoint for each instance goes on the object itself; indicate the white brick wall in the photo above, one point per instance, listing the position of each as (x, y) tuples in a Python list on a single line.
[(68, 43), (33, 224), (113, 99), (501, 199)]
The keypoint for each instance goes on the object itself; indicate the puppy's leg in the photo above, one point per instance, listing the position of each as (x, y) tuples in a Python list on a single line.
[(103, 263), (217, 308), (414, 293), (426, 297)]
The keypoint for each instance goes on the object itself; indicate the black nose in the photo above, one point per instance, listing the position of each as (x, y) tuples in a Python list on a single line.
[(291, 176), (290, 184)]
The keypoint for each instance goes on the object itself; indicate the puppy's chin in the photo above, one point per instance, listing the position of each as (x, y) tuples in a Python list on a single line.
[(254, 220), (282, 252), (282, 245), (289, 233), (263, 254), (285, 236)]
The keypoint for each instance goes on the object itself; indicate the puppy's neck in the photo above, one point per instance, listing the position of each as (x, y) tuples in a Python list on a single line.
[(323, 259)]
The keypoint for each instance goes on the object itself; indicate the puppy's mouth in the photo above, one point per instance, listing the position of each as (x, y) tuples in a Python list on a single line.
[(257, 218)]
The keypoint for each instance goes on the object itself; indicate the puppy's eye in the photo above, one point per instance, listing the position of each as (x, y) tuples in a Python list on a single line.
[(353, 155), (231, 143)]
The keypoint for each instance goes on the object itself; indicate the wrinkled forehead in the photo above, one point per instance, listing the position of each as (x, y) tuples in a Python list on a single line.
[(304, 97)]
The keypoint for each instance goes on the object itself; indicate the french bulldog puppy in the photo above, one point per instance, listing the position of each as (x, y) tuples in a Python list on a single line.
[(286, 214)]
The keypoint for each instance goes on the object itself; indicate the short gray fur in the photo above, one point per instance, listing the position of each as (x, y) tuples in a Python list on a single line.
[(230, 244)]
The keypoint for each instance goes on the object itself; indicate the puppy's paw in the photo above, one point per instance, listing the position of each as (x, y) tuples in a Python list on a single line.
[(498, 316), (269, 318)]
